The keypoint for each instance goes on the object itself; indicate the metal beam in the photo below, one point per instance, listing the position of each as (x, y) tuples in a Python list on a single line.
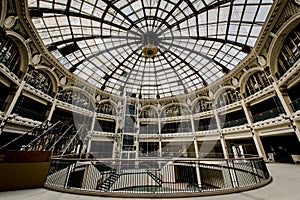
[(81, 15)]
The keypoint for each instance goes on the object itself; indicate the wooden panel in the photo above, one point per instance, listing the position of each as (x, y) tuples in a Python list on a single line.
[(23, 175), (28, 156)]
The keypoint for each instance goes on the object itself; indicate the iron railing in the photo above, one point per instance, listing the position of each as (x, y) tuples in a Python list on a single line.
[(236, 122), (144, 178), (3, 104), (28, 113), (268, 114), (18, 142), (295, 105), (63, 140)]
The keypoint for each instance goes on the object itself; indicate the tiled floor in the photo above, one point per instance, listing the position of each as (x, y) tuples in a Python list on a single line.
[(285, 186)]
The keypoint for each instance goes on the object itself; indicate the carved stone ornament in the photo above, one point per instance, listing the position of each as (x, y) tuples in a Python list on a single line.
[(36, 59), (234, 81), (63, 81), (210, 94), (10, 21), (98, 98), (261, 61)]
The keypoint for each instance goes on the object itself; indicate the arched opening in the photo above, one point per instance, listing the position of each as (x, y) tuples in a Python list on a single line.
[(178, 125), (10, 55), (227, 97), (256, 82), (202, 105), (147, 126), (289, 53), (75, 98), (40, 80)]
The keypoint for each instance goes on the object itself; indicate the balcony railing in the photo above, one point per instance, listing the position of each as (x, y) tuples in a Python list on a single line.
[(235, 122), (23, 112), (295, 105), (206, 127), (268, 114), (156, 177), (3, 104)]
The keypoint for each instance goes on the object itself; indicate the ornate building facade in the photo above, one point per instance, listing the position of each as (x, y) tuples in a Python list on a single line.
[(254, 108)]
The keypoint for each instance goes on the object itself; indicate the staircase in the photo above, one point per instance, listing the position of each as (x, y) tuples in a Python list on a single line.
[(155, 178), (61, 139), (23, 140), (102, 168), (106, 185)]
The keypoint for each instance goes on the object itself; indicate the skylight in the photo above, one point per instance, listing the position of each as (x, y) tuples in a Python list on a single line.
[(197, 41)]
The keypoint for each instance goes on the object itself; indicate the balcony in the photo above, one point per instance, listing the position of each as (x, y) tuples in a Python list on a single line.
[(236, 122), (268, 114), (295, 105), (156, 177)]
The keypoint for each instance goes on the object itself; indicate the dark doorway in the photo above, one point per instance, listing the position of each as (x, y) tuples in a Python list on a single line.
[(282, 147), (76, 178), (185, 174)]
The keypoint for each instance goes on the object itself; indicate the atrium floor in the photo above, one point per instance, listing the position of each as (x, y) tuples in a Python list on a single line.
[(284, 186)]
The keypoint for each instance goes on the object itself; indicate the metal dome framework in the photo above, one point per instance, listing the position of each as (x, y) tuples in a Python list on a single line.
[(102, 41)]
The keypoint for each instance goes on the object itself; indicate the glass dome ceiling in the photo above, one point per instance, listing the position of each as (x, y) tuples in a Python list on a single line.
[(149, 48)]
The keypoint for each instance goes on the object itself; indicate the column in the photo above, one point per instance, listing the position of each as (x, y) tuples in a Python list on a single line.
[(137, 130), (284, 99), (160, 146), (90, 135), (15, 99), (11, 106), (52, 110), (196, 147), (195, 138), (115, 145), (222, 139), (285, 102), (255, 134)]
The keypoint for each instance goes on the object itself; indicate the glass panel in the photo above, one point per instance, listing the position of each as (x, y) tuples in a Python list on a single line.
[(194, 41)]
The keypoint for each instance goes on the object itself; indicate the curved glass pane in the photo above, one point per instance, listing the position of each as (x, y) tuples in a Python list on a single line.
[(193, 42)]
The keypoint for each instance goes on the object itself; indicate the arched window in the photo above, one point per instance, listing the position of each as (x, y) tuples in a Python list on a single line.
[(9, 55), (40, 80), (148, 112), (175, 110), (228, 97), (148, 127), (202, 105), (290, 52), (106, 108), (75, 98), (256, 82)]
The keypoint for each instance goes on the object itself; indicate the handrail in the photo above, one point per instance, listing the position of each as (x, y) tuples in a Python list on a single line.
[(70, 141), (129, 178), (28, 113), (255, 157), (52, 147), (39, 136), (273, 110), (46, 122)]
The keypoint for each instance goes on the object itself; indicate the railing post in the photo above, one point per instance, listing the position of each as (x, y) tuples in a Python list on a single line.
[(264, 169), (68, 175), (198, 172), (232, 172), (254, 171)]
